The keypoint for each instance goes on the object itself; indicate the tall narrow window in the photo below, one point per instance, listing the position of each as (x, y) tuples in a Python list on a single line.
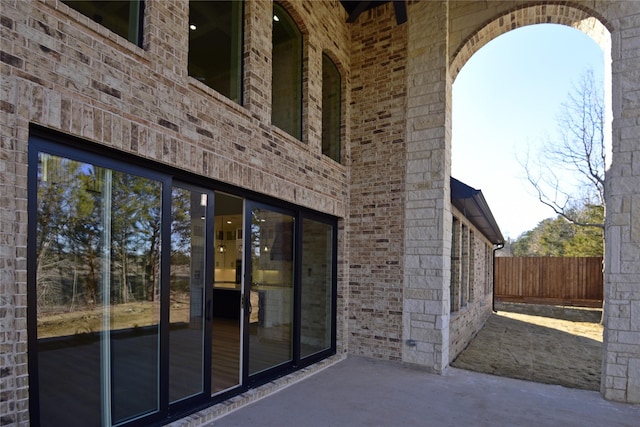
[(286, 81), (455, 265), (122, 17), (464, 275), (215, 45), (317, 277), (472, 264), (331, 94), (488, 267)]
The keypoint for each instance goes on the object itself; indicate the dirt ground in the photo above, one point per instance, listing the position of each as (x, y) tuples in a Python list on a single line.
[(547, 344)]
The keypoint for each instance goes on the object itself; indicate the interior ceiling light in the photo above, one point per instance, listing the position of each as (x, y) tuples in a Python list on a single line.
[(192, 27)]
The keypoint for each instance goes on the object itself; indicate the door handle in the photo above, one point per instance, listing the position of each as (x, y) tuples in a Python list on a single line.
[(208, 310), (248, 303)]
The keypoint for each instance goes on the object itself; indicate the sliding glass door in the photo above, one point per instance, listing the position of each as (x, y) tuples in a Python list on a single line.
[(188, 292), (269, 294), (150, 296), (226, 333)]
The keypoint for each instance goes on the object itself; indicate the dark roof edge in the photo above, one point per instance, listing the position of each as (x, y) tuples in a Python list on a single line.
[(472, 204)]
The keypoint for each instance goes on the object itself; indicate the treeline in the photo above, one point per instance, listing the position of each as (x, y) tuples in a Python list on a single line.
[(558, 237)]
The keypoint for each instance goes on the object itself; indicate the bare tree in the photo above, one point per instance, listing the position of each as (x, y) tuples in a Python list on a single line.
[(580, 151)]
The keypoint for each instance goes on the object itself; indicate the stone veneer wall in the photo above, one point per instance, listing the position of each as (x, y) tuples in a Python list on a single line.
[(468, 320), (63, 71), (427, 262), (614, 25)]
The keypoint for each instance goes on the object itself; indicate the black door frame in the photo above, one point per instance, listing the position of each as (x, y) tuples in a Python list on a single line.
[(249, 380), (46, 140)]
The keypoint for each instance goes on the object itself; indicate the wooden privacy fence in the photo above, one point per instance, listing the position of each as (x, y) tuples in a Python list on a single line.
[(549, 280)]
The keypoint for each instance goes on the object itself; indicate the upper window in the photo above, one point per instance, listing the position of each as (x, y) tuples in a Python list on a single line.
[(286, 80), (215, 45), (122, 17), (331, 94)]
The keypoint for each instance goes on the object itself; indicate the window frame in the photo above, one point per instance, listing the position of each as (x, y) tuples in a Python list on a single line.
[(330, 146), (139, 22), (299, 101), (239, 99)]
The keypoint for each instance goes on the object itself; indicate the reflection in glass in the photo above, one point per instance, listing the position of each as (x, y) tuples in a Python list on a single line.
[(331, 93), (286, 80), (215, 45), (316, 287), (121, 17), (271, 299), (187, 293), (97, 286), (227, 290)]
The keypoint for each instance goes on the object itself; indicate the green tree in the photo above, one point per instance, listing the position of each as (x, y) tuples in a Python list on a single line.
[(548, 238), (587, 241), (558, 237), (135, 231)]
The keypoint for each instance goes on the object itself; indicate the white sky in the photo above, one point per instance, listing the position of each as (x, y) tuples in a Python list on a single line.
[(505, 102)]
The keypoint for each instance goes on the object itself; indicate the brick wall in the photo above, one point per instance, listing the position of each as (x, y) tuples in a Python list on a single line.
[(65, 72), (378, 80)]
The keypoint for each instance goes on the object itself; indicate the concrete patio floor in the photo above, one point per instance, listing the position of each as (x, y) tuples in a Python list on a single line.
[(365, 392)]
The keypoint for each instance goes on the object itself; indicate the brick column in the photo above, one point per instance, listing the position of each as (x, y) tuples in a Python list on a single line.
[(258, 17), (428, 213), (166, 29), (621, 359)]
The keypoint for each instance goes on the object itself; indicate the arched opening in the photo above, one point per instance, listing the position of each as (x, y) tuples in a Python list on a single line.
[(492, 29)]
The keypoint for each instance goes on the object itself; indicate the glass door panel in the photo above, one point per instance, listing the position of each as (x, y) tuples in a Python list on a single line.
[(270, 292), (134, 292), (316, 287), (97, 290), (227, 293), (187, 293)]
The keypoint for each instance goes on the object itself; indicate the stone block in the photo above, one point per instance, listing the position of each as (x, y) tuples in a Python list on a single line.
[(633, 382)]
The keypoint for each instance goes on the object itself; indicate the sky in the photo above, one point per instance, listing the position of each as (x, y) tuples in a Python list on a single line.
[(506, 102)]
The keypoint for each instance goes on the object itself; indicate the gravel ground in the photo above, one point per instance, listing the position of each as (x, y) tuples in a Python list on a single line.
[(546, 344)]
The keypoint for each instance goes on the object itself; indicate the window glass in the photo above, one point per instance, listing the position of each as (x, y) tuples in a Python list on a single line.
[(455, 265), (215, 45), (187, 289), (316, 287), (270, 302), (286, 78), (331, 94), (97, 290), (472, 265), (122, 17), (226, 336), (464, 273)]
